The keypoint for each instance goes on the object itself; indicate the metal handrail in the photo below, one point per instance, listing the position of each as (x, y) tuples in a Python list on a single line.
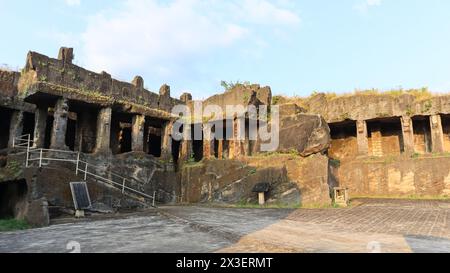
[(78, 162)]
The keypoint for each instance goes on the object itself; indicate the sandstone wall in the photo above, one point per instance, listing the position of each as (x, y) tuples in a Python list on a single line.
[(396, 176)]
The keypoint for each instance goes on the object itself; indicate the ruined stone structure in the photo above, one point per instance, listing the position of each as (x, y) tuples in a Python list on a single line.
[(388, 144), (373, 145)]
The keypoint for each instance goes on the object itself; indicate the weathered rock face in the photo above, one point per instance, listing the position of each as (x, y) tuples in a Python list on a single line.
[(49, 186), (307, 134), (291, 109), (241, 95), (294, 180), (8, 83), (367, 107), (60, 78), (307, 178), (186, 97), (401, 176)]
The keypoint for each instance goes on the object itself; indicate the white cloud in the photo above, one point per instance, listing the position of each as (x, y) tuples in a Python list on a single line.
[(363, 7), (265, 13), (373, 2), (72, 3), (149, 36)]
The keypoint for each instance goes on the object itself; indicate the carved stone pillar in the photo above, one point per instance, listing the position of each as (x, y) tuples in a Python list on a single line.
[(362, 138), (103, 138), (61, 114), (137, 133), (408, 134), (40, 125), (437, 135), (16, 126)]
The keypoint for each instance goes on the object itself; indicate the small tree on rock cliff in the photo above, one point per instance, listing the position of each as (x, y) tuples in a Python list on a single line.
[(230, 85)]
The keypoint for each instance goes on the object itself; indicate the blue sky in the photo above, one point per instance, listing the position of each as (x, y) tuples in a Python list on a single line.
[(296, 47)]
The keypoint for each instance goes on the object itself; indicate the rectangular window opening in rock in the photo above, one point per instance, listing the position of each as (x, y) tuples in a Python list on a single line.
[(5, 122), (120, 139), (153, 136), (445, 119), (48, 130), (87, 131), (28, 124), (228, 136), (344, 142), (197, 141), (385, 137), (71, 131), (422, 134), (13, 201), (250, 134)]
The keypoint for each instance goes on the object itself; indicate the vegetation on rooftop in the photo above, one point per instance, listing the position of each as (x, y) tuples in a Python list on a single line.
[(230, 85), (420, 94)]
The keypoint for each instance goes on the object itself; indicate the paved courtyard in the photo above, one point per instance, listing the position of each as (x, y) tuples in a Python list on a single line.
[(371, 226)]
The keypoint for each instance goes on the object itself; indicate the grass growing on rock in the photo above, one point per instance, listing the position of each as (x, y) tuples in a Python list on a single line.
[(420, 94), (13, 224)]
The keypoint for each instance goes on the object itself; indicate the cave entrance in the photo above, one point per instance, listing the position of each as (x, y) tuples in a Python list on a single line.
[(176, 147), (197, 142), (71, 131), (251, 133), (154, 140), (446, 130), (13, 199), (385, 137), (81, 132), (125, 138), (5, 122), (48, 129), (218, 137), (28, 124), (153, 136), (121, 131), (228, 136), (422, 134), (176, 151), (344, 143)]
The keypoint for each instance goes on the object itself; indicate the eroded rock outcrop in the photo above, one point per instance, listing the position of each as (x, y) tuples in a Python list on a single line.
[(306, 134), (293, 180)]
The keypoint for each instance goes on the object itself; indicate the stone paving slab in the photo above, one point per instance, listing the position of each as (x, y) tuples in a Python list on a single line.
[(141, 234), (373, 226)]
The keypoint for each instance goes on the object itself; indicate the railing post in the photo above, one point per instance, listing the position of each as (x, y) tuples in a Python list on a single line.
[(28, 151), (85, 172), (78, 164), (154, 201), (40, 158), (123, 186)]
